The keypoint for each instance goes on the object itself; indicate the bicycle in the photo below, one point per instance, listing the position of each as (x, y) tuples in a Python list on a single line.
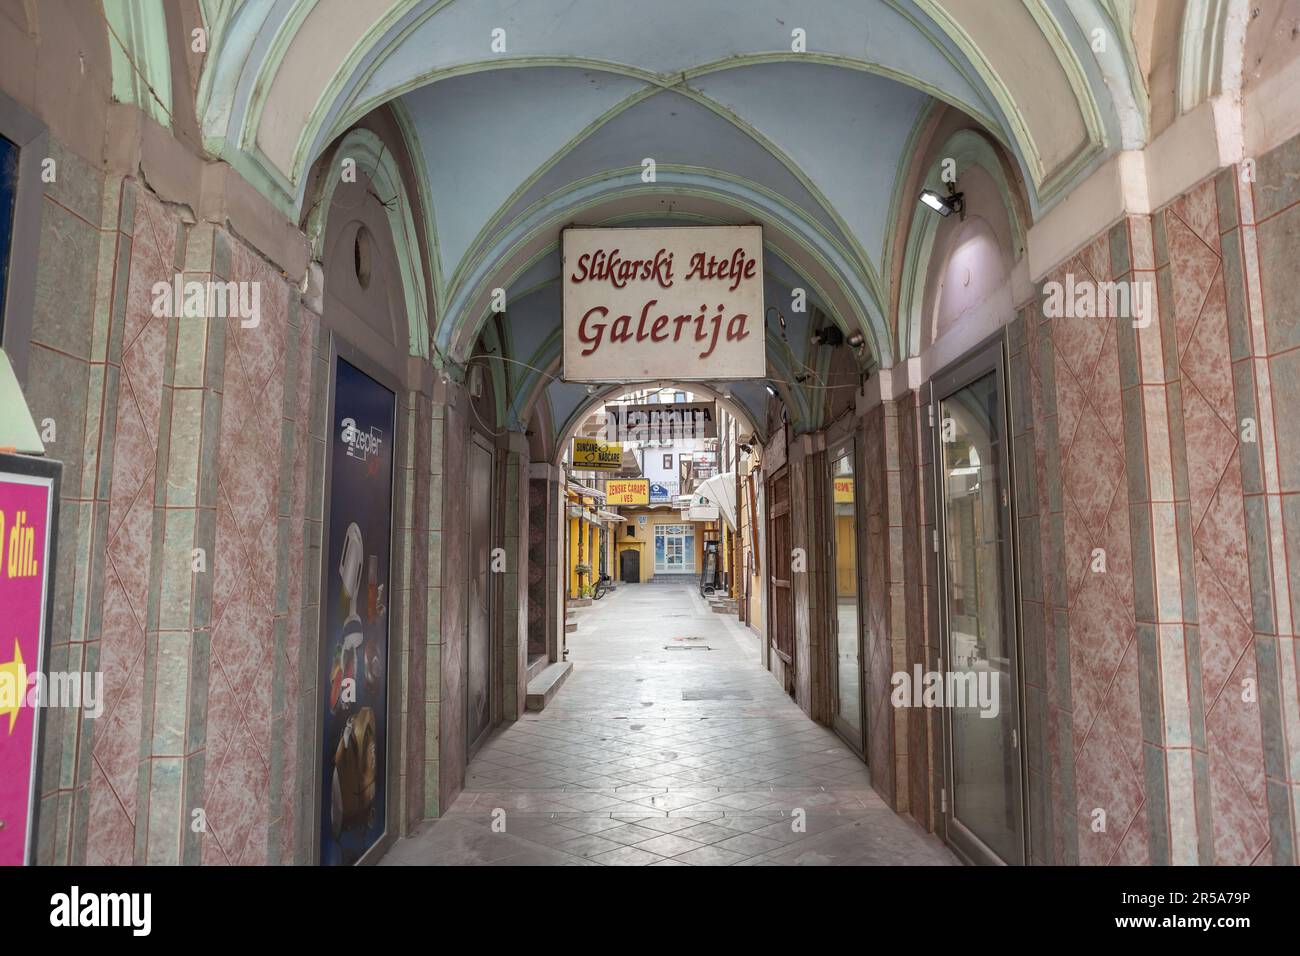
[(604, 585)]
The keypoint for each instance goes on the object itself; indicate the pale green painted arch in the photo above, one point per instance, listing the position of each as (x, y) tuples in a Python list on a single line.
[(140, 56), (657, 81), (372, 157), (968, 148), (868, 317), (854, 251)]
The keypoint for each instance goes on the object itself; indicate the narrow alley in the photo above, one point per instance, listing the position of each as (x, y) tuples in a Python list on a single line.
[(670, 745)]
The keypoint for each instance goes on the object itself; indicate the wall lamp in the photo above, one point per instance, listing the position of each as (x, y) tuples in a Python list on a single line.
[(771, 389), (944, 205)]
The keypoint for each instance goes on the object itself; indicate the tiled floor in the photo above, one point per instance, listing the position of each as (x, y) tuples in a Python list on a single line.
[(658, 751)]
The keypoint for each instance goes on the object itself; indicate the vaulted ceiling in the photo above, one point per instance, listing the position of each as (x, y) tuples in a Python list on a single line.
[(525, 117)]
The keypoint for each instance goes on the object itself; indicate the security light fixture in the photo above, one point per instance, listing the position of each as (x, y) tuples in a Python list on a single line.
[(944, 205), (830, 335)]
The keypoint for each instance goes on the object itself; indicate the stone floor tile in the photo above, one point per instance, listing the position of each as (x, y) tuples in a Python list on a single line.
[(663, 758), (627, 856)]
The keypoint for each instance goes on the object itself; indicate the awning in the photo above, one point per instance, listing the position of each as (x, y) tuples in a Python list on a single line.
[(573, 488), (721, 491)]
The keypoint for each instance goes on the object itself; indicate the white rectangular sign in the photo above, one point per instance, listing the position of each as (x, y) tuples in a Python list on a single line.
[(682, 303)]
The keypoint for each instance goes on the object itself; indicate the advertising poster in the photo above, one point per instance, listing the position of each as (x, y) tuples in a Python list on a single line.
[(28, 489), (354, 644)]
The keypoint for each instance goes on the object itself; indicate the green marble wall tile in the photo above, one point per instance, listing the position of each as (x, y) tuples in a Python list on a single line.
[(171, 693), (177, 570), (1157, 804), (1225, 197), (1279, 243), (164, 819)]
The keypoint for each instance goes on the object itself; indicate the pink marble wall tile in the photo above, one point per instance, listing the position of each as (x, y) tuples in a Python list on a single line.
[(236, 801), (1123, 705), (116, 747), (1103, 390), (1206, 360), (1192, 265), (1096, 258), (1133, 848), (1223, 537), (1091, 471), (1198, 209), (114, 843), (1105, 781), (1077, 559), (1210, 447)]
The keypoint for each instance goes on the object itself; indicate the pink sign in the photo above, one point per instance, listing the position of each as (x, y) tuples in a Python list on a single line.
[(24, 558)]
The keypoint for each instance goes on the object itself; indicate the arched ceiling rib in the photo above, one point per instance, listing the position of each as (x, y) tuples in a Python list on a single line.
[(286, 76), (526, 117)]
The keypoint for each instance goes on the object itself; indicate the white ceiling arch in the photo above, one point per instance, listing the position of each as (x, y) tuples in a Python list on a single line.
[(523, 118), (287, 76)]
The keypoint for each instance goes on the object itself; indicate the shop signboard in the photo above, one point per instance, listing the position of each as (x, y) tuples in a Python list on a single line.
[(592, 454), (679, 302), (354, 644), (29, 491), (627, 491), (661, 422)]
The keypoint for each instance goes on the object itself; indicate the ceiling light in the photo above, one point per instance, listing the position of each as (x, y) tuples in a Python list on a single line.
[(943, 205), (831, 336)]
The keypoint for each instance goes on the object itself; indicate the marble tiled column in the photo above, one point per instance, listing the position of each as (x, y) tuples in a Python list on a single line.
[(514, 603), (920, 574), (434, 644), (1260, 221), (73, 376), (1174, 755), (410, 607), (1040, 751), (877, 649), (179, 620)]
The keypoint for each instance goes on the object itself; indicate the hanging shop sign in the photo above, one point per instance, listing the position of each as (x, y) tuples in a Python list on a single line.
[(592, 454), (627, 491), (682, 303), (29, 489), (666, 423), (354, 646)]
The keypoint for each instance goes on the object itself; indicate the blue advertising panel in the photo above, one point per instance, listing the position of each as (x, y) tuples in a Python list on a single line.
[(354, 645), (659, 494)]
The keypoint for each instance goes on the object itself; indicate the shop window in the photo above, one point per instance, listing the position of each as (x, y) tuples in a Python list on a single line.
[(8, 192), (675, 549), (24, 149)]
